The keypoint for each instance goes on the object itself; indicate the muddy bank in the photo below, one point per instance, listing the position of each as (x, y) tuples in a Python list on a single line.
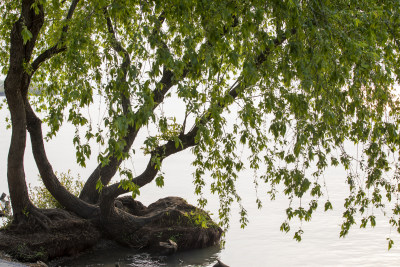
[(64, 237), (69, 235)]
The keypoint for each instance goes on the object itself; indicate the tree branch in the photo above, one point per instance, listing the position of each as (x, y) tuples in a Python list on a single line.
[(166, 82), (59, 46), (161, 152), (106, 173), (187, 140), (117, 46), (59, 192)]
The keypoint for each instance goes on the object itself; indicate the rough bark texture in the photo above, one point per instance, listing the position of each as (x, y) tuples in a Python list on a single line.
[(50, 180), (178, 224), (167, 219), (16, 86), (67, 235)]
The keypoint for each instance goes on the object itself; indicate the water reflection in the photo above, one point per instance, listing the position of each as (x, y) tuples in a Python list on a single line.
[(133, 258)]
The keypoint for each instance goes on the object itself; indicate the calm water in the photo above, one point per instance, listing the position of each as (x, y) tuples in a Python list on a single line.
[(259, 244)]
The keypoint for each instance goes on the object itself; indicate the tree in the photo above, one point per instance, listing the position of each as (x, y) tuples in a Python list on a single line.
[(307, 77)]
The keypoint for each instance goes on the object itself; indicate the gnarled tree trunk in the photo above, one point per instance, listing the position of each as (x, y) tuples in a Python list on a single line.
[(16, 87)]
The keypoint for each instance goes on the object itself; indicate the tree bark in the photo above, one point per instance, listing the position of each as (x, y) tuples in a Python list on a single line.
[(62, 195), (16, 87), (105, 173)]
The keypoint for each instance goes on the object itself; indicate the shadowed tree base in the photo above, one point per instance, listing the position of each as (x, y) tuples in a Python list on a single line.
[(171, 218)]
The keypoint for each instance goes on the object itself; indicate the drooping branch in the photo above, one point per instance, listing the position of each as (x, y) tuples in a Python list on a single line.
[(162, 152), (166, 82), (105, 173), (188, 139), (117, 46), (59, 46)]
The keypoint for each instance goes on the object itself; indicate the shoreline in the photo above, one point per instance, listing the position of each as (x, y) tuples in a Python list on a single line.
[(7, 261)]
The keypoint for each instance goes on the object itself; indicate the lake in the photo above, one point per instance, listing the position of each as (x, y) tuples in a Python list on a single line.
[(259, 244)]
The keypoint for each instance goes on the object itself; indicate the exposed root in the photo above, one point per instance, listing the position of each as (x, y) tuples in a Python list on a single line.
[(169, 218), (36, 220), (46, 234), (63, 237), (32, 220), (39, 217), (128, 204), (56, 214)]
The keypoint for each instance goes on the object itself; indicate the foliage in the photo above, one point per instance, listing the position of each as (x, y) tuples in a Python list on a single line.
[(5, 211), (200, 218), (42, 198), (305, 81)]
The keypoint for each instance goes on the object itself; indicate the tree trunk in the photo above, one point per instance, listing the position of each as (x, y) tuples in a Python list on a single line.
[(62, 195), (16, 87), (15, 168)]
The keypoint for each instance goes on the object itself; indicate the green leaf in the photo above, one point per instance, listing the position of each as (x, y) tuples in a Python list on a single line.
[(328, 205), (285, 227), (372, 220), (99, 185), (26, 34), (160, 181), (390, 243), (297, 235)]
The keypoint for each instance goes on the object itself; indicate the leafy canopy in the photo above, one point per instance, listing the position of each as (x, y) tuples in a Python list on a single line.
[(303, 80)]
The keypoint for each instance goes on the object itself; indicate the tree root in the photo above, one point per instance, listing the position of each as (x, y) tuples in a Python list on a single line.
[(39, 219), (64, 237), (56, 214), (169, 218), (32, 220), (54, 233)]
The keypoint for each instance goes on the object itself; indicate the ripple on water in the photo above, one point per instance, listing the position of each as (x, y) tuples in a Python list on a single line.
[(145, 259), (132, 258)]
